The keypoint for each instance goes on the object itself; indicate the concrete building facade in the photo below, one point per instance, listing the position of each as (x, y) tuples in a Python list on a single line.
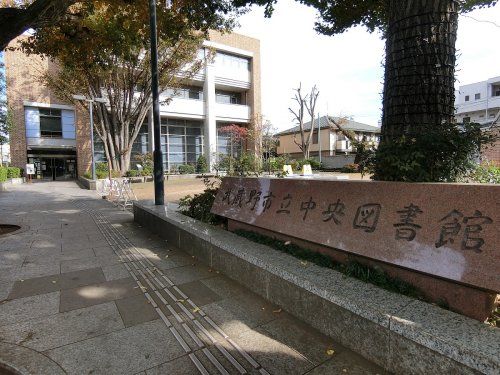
[(329, 141), (55, 135), (480, 103)]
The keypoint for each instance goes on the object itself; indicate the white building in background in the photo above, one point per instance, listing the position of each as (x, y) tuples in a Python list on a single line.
[(226, 91), (479, 102)]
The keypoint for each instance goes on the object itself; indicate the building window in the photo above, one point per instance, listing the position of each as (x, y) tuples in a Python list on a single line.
[(181, 142), (497, 93), (315, 137), (466, 98), (50, 123), (191, 92), (477, 96), (466, 120), (227, 97), (232, 61)]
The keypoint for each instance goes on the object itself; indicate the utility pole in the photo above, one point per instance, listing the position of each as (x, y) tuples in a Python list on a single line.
[(157, 153), (319, 136)]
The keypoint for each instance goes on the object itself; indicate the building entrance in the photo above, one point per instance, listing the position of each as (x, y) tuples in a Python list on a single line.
[(54, 167)]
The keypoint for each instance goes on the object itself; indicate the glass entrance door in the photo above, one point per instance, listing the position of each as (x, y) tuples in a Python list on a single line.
[(57, 168)]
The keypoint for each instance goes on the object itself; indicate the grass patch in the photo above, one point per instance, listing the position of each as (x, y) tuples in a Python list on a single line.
[(352, 268)]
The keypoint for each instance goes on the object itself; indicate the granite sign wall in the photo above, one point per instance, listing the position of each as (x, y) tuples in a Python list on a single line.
[(445, 230)]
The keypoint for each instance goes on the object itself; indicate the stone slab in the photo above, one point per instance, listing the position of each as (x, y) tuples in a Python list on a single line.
[(13, 311), (127, 351), (61, 329), (76, 298), (445, 230)]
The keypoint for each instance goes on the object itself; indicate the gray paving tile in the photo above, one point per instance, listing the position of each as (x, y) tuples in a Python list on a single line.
[(64, 328), (187, 274), (103, 251), (28, 361), (127, 351), (114, 272), (224, 286), (347, 363), (300, 337), (274, 356), (5, 288), (79, 264), (18, 310), (136, 310), (30, 271), (46, 284), (199, 293), (89, 295), (179, 366)]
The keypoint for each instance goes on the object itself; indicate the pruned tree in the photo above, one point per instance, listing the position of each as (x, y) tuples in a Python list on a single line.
[(365, 150), (304, 103), (420, 56), (103, 51)]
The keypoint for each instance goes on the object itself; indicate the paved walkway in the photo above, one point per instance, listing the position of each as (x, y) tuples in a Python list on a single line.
[(84, 290)]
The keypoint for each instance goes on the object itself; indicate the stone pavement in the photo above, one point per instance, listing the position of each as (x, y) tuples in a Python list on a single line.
[(84, 290)]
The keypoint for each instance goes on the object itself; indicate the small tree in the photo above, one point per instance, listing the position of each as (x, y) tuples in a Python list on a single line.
[(201, 164), (237, 134), (305, 103)]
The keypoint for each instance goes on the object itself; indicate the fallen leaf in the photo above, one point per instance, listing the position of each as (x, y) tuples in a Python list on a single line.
[(180, 300), (196, 310), (344, 370), (216, 271), (277, 311), (166, 256), (330, 352), (53, 281), (303, 263), (288, 242), (263, 308)]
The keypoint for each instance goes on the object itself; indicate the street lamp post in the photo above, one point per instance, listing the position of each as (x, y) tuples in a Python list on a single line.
[(91, 114), (157, 153)]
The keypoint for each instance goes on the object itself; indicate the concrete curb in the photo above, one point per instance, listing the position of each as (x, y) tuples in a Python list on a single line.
[(401, 334)]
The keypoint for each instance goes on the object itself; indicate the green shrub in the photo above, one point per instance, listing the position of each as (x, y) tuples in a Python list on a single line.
[(3, 174), (275, 164), (186, 169), (87, 175), (486, 173), (132, 173), (243, 165), (315, 164), (201, 164), (199, 206), (13, 172), (147, 171), (436, 154), (350, 168)]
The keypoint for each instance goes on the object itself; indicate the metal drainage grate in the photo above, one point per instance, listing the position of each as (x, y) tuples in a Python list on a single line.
[(8, 228)]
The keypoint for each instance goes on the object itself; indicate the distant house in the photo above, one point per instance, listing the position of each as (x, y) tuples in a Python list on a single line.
[(329, 140), (480, 103)]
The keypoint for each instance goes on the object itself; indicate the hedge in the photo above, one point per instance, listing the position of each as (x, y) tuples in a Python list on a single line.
[(3, 174)]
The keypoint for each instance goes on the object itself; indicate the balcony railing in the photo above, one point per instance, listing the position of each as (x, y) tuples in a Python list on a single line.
[(232, 112)]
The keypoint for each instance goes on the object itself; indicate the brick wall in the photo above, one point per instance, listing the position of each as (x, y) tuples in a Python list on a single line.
[(23, 75), (492, 153)]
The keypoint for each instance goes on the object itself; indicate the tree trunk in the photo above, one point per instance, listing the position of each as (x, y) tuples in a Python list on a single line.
[(419, 66)]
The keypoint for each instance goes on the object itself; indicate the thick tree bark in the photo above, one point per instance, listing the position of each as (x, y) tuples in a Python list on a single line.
[(15, 21), (419, 66)]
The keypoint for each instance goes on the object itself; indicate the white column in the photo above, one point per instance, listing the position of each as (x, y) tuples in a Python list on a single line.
[(210, 127)]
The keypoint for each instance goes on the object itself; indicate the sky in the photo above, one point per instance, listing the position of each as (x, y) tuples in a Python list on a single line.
[(348, 68)]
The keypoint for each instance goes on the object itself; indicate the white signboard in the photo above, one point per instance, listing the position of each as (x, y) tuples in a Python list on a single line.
[(30, 169)]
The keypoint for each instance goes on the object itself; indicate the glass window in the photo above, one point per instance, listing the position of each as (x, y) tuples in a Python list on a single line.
[(466, 98), (477, 96), (50, 123), (227, 97)]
